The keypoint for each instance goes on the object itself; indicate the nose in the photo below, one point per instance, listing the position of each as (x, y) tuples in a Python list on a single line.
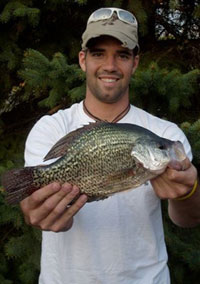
[(110, 64)]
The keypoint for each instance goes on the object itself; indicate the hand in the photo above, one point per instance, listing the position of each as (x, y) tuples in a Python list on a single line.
[(175, 183), (48, 208)]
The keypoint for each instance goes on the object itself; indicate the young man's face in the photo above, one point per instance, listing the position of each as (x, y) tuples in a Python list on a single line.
[(108, 68)]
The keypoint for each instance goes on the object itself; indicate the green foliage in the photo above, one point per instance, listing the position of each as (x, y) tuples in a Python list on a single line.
[(9, 52), (197, 12), (19, 10), (192, 131), (171, 90), (54, 78), (21, 250), (39, 43), (137, 9), (20, 244), (183, 250)]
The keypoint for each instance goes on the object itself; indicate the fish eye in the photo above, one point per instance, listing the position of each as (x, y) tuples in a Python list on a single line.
[(161, 147)]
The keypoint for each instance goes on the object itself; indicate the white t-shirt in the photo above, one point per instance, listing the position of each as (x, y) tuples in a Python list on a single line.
[(118, 240)]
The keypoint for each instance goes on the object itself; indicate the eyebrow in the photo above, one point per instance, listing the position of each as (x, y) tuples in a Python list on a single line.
[(127, 52), (123, 51), (94, 49)]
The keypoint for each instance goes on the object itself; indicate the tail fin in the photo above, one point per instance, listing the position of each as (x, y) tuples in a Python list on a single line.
[(18, 184)]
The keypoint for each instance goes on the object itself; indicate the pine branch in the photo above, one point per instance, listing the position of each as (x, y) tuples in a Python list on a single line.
[(18, 10)]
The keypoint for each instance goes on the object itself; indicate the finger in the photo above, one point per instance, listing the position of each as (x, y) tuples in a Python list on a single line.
[(42, 194), (186, 177), (51, 203), (57, 209), (44, 209), (65, 227), (69, 213), (172, 184), (167, 189), (185, 164), (34, 200), (180, 165)]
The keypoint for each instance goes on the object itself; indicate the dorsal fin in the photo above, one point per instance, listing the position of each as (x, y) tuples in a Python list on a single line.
[(61, 147)]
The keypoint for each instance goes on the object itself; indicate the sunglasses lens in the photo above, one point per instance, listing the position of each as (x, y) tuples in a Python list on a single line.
[(106, 13), (126, 16), (101, 14)]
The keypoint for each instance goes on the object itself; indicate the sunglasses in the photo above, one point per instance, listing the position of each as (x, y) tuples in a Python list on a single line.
[(106, 13)]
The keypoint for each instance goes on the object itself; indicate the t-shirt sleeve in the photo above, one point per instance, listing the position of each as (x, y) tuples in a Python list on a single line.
[(45, 133)]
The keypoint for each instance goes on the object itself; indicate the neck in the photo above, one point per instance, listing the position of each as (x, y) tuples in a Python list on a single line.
[(100, 111)]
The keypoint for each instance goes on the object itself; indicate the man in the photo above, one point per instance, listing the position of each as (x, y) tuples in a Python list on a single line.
[(120, 239)]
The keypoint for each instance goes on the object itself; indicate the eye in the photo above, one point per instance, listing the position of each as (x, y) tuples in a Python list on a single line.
[(161, 147), (124, 56), (97, 54)]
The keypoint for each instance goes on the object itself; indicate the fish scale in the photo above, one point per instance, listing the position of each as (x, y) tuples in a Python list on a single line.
[(101, 159), (113, 157)]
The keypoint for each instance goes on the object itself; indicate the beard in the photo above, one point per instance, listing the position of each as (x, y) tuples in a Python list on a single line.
[(107, 94)]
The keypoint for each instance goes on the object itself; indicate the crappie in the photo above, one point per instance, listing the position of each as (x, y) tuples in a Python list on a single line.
[(101, 159)]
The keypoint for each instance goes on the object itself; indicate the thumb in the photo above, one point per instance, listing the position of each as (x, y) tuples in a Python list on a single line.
[(180, 165)]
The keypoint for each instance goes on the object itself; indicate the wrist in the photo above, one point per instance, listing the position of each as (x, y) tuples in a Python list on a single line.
[(191, 192)]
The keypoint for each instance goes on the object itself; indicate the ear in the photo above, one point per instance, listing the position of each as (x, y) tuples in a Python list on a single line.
[(82, 58), (135, 63)]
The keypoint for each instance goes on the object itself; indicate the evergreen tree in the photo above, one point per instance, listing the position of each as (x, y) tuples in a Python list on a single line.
[(39, 44)]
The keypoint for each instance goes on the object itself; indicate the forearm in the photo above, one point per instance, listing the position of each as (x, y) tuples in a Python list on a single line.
[(186, 212), (174, 186)]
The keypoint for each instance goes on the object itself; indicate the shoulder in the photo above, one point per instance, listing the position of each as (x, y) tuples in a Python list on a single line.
[(57, 124), (46, 132), (157, 125)]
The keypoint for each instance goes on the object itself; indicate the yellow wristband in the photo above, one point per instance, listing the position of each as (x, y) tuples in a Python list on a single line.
[(190, 193)]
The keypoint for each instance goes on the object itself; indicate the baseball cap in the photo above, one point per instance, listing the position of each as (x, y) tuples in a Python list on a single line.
[(115, 22)]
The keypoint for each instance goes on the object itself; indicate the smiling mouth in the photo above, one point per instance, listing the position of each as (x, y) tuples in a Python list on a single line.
[(109, 80)]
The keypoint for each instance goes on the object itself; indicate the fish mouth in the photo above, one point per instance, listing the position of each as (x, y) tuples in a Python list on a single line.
[(177, 156), (177, 151)]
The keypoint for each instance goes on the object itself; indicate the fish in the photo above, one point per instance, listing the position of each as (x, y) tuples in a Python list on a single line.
[(101, 158)]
